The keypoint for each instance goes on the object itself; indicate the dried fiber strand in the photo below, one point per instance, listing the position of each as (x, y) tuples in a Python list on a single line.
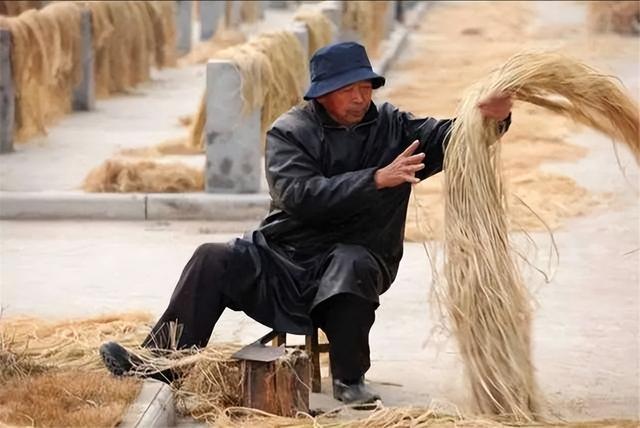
[(484, 295)]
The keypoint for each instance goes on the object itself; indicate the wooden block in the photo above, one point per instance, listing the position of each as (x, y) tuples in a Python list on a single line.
[(292, 384), (280, 387)]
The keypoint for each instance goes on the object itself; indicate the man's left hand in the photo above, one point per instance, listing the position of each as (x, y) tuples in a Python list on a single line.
[(496, 106)]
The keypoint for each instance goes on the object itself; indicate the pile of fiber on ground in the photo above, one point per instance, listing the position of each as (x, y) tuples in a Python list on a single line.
[(132, 175)]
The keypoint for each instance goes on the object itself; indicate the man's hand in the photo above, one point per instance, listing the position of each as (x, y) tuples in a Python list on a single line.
[(496, 106), (402, 170)]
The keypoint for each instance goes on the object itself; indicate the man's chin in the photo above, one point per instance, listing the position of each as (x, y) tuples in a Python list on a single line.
[(356, 118)]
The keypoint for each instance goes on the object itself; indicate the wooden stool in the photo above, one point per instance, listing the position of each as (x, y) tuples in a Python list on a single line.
[(314, 349)]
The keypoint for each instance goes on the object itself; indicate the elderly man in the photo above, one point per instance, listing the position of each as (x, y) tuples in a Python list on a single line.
[(340, 171)]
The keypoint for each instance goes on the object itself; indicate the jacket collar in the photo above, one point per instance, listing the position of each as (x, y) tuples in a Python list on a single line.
[(321, 113)]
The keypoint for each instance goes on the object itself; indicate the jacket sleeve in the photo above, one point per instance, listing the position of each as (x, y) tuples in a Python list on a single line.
[(433, 135), (298, 186)]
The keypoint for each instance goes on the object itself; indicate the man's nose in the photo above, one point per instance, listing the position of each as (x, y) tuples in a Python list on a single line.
[(357, 97)]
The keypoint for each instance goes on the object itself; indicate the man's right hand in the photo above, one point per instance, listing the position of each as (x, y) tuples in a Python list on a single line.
[(402, 170)]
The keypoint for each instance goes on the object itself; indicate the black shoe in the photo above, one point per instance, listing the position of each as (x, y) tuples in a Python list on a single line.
[(121, 362), (354, 392), (117, 359)]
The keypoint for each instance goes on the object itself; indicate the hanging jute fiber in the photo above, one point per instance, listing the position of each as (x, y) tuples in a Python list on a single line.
[(615, 16), (367, 20), (320, 28), (274, 74), (129, 37), (45, 63), (133, 175), (487, 302), (16, 7)]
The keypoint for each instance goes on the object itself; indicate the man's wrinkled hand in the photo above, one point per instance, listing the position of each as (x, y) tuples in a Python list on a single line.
[(402, 170), (496, 106)]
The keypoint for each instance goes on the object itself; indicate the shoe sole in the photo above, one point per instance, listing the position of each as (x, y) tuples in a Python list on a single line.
[(113, 363)]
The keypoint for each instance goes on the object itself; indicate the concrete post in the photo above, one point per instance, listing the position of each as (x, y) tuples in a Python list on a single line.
[(183, 23), (399, 6), (301, 32), (390, 18), (233, 139), (277, 4), (84, 93), (7, 94), (211, 13)]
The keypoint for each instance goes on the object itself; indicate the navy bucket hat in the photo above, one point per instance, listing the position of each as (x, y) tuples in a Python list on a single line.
[(335, 66)]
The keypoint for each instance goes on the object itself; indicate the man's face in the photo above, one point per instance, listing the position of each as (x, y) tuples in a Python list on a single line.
[(349, 104)]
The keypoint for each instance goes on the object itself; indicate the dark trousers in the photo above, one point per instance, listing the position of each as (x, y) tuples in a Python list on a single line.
[(198, 302)]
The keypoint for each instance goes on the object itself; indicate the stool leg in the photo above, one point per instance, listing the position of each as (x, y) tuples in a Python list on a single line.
[(280, 339), (312, 348)]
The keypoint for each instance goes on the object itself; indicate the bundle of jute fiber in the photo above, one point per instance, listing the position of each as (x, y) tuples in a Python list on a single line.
[(126, 175), (615, 16), (129, 37), (367, 19), (320, 28), (485, 297), (16, 7), (45, 63)]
